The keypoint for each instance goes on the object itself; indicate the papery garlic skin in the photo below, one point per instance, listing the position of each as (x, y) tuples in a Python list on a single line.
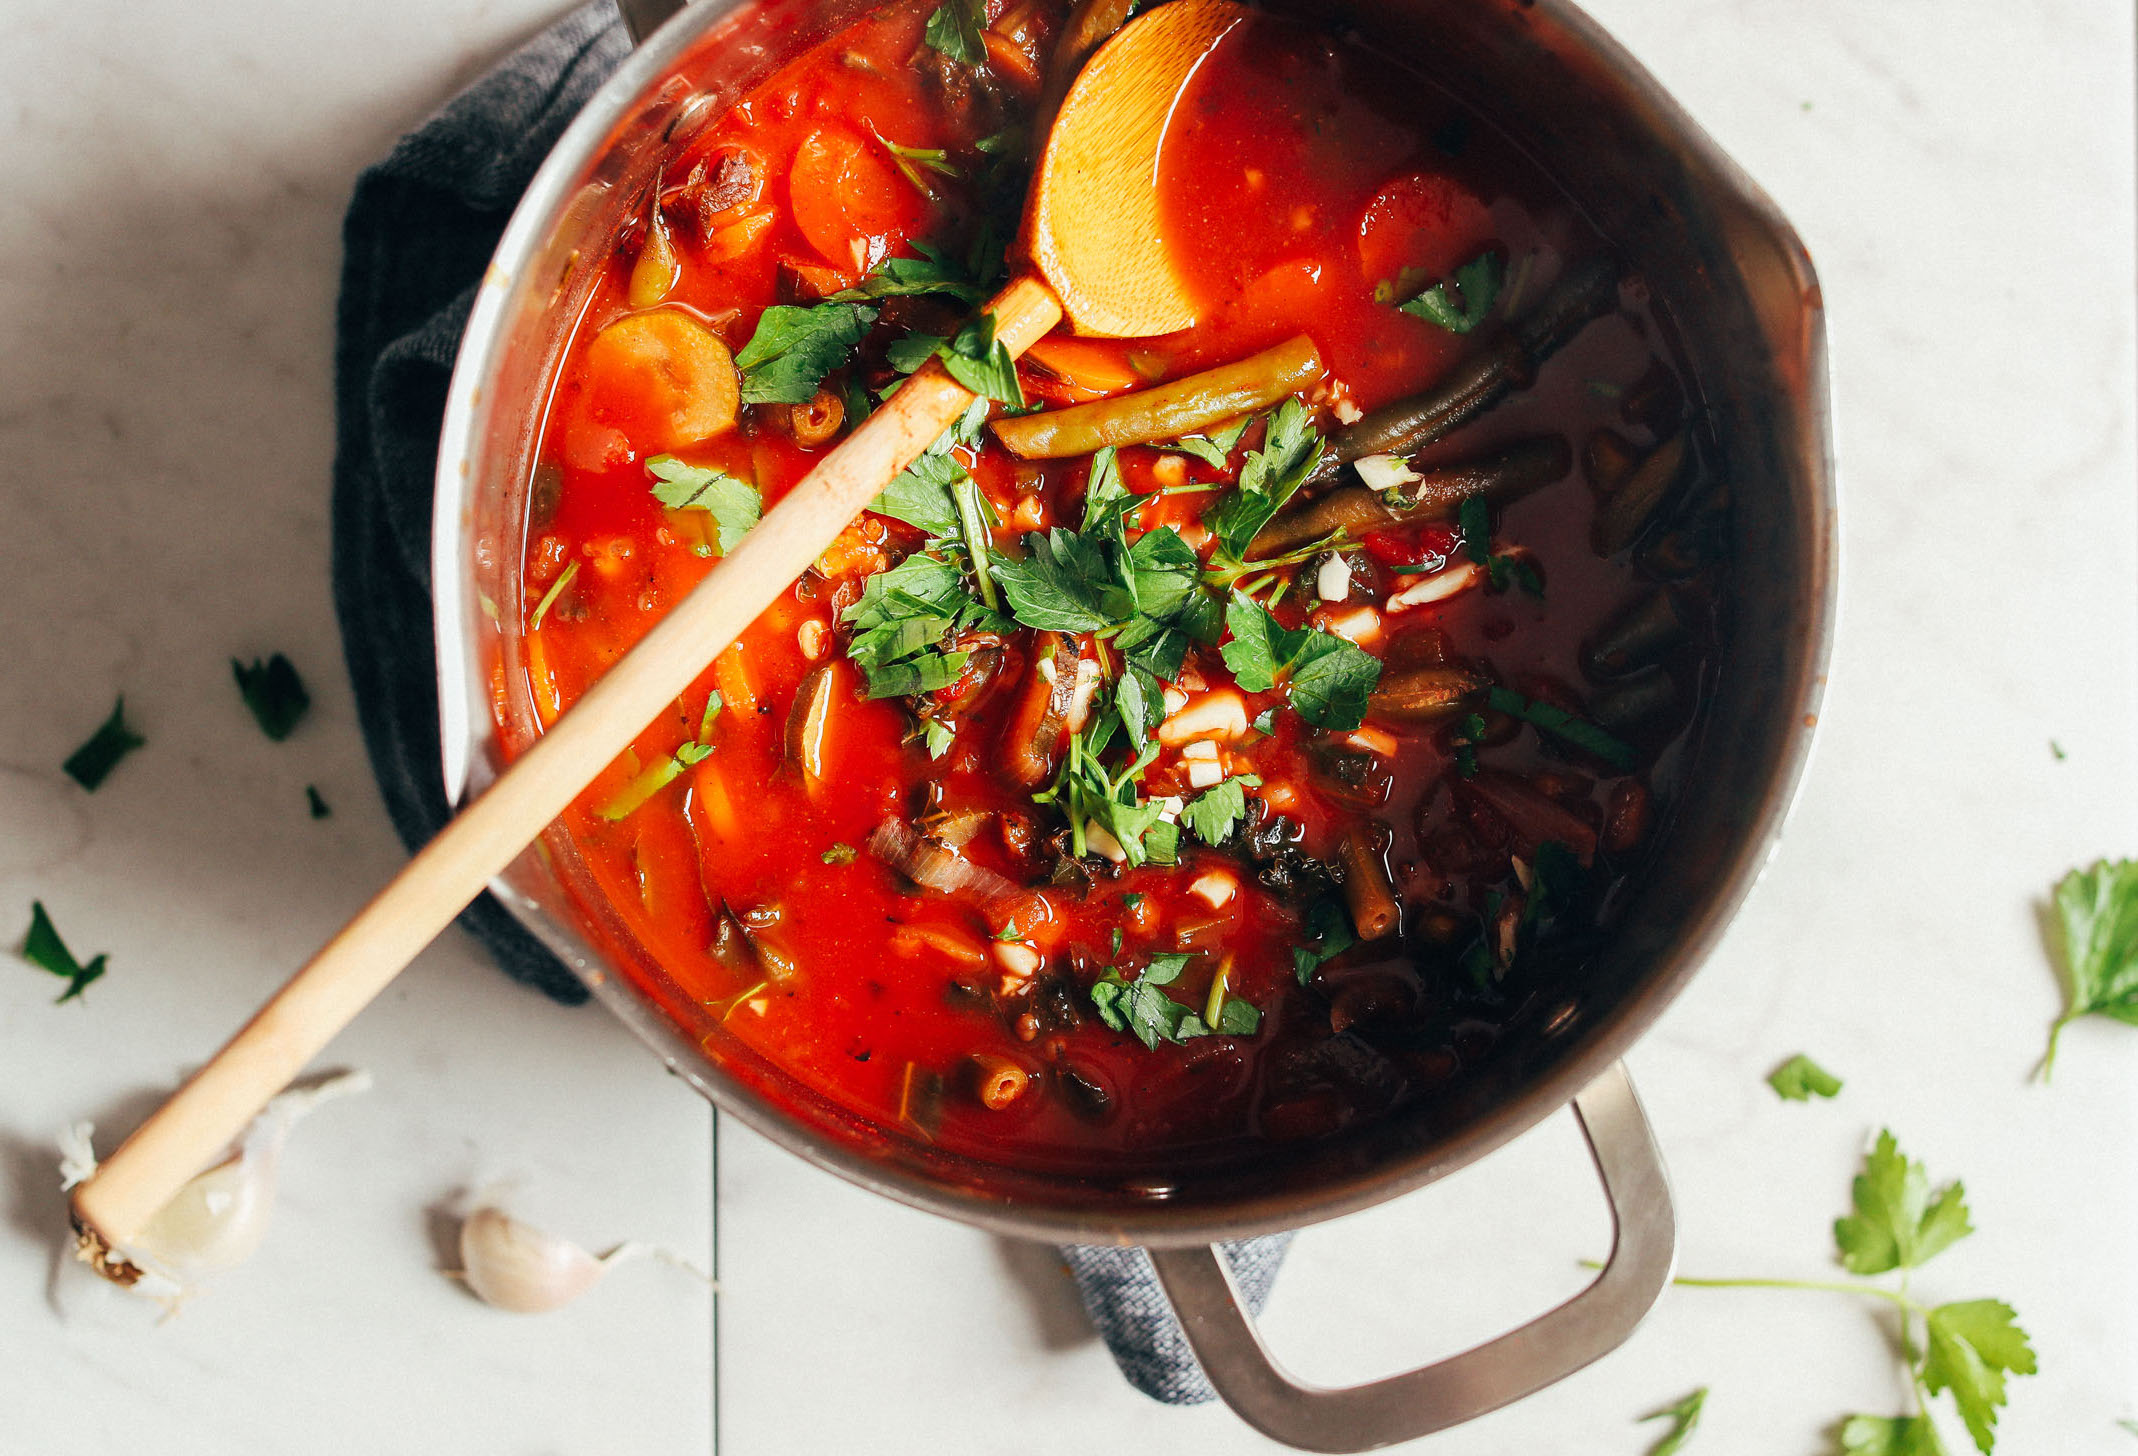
[(519, 1267), (217, 1220)]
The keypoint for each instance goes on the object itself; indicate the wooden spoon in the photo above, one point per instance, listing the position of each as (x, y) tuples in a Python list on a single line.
[(1091, 232)]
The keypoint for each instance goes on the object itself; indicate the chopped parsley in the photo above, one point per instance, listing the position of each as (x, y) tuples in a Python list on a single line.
[(1563, 725), (644, 784), (912, 162), (1462, 303), (318, 806), (955, 30), (733, 503), (1468, 733), (794, 347), (1800, 1079), (982, 363), (904, 617), (1327, 678), (43, 948), (2097, 946), (274, 692), (1327, 929), (556, 589), (839, 854), (93, 762), (1291, 448), (1212, 814), (1089, 794), (932, 272), (920, 495)]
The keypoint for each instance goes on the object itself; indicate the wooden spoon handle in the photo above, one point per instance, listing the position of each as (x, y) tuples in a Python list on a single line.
[(213, 1107)]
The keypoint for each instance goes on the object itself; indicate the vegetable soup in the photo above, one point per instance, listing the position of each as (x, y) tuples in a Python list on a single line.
[(1213, 739)]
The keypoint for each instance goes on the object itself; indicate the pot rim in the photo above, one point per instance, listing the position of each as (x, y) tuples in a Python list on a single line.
[(465, 725)]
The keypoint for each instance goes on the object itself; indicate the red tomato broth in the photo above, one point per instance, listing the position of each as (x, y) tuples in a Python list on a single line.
[(1367, 155)]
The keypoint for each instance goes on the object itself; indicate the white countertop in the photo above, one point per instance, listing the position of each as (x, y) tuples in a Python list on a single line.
[(1963, 173)]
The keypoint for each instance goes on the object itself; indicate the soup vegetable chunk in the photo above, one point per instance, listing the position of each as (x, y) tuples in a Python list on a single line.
[(1213, 739)]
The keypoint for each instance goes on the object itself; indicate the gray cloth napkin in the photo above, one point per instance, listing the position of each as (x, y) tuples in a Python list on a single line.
[(420, 228)]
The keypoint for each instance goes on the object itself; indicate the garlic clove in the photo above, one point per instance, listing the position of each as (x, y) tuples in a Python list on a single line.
[(518, 1267), (218, 1219)]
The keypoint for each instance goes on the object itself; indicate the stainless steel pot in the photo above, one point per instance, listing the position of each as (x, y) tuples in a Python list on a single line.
[(1727, 274)]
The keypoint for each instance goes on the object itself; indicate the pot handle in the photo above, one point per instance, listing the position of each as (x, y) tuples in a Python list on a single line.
[(1419, 1402)]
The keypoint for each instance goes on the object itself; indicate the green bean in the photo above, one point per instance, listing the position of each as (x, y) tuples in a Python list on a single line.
[(1627, 511), (1501, 476), (1637, 637), (1423, 694), (1586, 291), (1166, 411)]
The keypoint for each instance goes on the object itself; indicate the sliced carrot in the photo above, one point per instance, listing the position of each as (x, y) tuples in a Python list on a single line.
[(1012, 62), (849, 201), (662, 378), (733, 239), (1090, 369)]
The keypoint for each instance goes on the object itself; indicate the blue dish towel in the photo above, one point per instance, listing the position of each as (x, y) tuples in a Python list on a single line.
[(420, 229)]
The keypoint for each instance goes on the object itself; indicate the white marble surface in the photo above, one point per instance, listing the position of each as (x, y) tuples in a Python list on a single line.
[(1962, 170)]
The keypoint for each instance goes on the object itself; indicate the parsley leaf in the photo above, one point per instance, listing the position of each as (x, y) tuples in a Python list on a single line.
[(1800, 1079), (43, 948), (1212, 814), (1890, 1436), (904, 616), (274, 692), (1060, 586), (982, 363), (734, 503), (954, 29), (1330, 677), (1473, 519), (1973, 1345), (794, 347), (909, 353), (1329, 927), (1290, 450), (93, 762), (1139, 1006), (1684, 1418), (920, 495), (1898, 1224), (2097, 915), (1476, 289), (1564, 725), (932, 272), (841, 853), (318, 805)]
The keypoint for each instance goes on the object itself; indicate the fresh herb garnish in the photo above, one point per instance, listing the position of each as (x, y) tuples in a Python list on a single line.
[(920, 495), (1800, 1079), (1089, 794), (1011, 141), (912, 161), (1563, 725), (1139, 1006), (1266, 722), (982, 363), (938, 736), (911, 352), (556, 589), (93, 762), (1290, 449), (1328, 927), (2097, 946), (794, 347), (274, 692), (1468, 734), (315, 803), (955, 30), (1212, 814), (839, 854), (733, 503), (43, 948), (1684, 1418), (904, 616), (1476, 287), (1327, 678), (644, 784), (1968, 1348), (932, 272), (1473, 519)]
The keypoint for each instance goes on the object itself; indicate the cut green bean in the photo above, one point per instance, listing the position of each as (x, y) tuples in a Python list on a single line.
[(1166, 411)]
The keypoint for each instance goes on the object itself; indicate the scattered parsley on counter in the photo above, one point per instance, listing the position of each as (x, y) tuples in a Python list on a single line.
[(274, 692), (1684, 1418), (1800, 1079), (43, 948), (93, 762), (319, 807), (2097, 950), (1967, 1348)]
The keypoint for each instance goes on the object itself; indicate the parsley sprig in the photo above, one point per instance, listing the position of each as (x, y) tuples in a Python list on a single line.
[(795, 346), (1461, 304), (732, 502), (1968, 1348), (1140, 1006), (43, 948), (2097, 951), (1327, 678)]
